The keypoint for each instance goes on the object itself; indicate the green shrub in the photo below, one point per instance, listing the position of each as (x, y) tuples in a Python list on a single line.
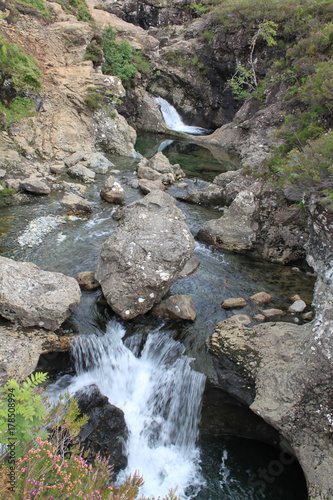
[(37, 7), (93, 100), (78, 8), (121, 60), (49, 467)]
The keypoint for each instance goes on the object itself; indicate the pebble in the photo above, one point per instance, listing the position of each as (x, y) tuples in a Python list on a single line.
[(38, 228)]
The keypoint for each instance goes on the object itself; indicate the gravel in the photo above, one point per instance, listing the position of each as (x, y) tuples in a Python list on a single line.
[(37, 229)]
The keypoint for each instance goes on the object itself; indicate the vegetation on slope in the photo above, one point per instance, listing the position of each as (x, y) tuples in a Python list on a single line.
[(20, 77), (41, 9), (304, 38)]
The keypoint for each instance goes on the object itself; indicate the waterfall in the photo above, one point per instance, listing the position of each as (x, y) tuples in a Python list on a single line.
[(160, 395), (174, 121)]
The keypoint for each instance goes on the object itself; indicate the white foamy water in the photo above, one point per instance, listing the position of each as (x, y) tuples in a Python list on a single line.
[(160, 395), (173, 119)]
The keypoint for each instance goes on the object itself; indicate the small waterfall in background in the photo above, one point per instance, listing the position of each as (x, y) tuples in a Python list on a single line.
[(174, 121), (160, 395)]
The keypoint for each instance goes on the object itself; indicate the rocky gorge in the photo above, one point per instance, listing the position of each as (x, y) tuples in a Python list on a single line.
[(69, 162)]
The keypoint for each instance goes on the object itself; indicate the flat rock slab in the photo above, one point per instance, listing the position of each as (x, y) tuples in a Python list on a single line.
[(176, 307), (261, 298), (190, 267), (233, 303), (33, 297), (144, 255), (34, 186), (270, 313), (74, 204)]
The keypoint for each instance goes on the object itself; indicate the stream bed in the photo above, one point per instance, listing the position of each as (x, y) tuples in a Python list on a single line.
[(169, 351)]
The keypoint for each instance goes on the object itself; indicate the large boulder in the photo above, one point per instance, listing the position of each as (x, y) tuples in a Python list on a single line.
[(33, 297), (143, 257), (106, 431)]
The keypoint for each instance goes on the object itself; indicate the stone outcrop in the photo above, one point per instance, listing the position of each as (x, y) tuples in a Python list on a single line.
[(290, 366), (113, 134), (33, 297), (21, 348), (106, 430), (143, 257)]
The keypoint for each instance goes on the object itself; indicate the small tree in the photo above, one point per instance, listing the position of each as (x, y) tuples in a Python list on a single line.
[(245, 79)]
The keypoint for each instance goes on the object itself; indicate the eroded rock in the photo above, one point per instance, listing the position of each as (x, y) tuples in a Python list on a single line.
[(33, 297)]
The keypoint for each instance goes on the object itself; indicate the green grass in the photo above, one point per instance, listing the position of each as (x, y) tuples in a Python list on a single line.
[(18, 109)]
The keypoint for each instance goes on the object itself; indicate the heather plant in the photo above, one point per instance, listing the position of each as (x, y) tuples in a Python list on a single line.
[(48, 463)]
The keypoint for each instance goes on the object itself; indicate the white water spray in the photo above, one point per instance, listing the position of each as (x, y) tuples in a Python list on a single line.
[(173, 119), (161, 397)]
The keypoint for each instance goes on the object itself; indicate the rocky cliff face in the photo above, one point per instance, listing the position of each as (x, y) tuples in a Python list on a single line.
[(64, 122), (291, 367)]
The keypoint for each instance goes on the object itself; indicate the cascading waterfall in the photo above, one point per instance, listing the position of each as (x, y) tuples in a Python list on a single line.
[(160, 395), (173, 119)]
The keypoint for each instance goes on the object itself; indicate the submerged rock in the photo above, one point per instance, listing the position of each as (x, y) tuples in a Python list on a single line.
[(143, 257), (190, 267), (106, 430), (233, 303), (297, 307), (33, 297), (261, 298), (176, 307)]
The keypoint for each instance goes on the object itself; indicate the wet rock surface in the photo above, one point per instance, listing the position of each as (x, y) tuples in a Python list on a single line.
[(106, 431), (144, 255), (176, 307), (33, 297)]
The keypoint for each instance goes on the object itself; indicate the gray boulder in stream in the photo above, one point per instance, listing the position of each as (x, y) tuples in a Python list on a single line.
[(33, 297), (143, 257)]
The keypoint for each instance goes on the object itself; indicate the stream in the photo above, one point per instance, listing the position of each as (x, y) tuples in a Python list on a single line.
[(153, 369)]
